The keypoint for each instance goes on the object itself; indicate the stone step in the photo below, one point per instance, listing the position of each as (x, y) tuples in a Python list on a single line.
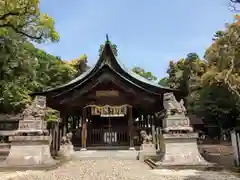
[(124, 154)]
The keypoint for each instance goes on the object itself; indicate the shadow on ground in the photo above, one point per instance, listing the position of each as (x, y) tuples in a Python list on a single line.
[(206, 175)]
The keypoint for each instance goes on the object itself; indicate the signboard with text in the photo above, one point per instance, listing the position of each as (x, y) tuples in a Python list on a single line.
[(108, 111)]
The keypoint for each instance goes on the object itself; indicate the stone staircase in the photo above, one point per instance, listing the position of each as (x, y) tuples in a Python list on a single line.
[(106, 154)]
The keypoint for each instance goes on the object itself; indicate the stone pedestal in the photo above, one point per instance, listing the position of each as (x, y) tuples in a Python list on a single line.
[(66, 151), (181, 150), (178, 122), (29, 151), (147, 151), (30, 144)]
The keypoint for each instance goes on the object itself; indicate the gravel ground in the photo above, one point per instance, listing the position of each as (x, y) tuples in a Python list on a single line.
[(113, 169)]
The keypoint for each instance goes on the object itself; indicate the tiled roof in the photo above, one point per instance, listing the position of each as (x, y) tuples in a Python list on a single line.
[(129, 72)]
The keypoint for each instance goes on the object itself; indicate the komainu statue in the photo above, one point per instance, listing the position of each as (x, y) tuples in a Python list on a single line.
[(66, 148), (147, 139), (36, 110), (171, 105), (32, 121), (67, 140), (181, 103)]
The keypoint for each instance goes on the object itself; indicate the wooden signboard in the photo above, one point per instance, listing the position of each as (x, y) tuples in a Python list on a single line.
[(111, 93), (108, 111)]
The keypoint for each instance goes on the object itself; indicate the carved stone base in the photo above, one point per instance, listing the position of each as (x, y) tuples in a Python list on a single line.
[(147, 151), (176, 123), (66, 151), (181, 150), (29, 151)]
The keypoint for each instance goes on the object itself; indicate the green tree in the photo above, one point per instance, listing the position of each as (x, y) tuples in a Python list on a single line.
[(223, 75), (217, 106), (223, 59), (143, 73), (163, 81), (24, 18), (24, 69), (80, 64), (185, 75)]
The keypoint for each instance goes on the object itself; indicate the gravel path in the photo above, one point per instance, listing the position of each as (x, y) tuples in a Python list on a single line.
[(113, 169)]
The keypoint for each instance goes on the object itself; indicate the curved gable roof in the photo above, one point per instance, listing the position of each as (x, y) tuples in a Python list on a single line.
[(115, 63)]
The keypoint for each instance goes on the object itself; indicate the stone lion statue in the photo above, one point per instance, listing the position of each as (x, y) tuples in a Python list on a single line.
[(67, 140), (35, 110), (66, 147), (172, 106), (181, 103), (147, 139)]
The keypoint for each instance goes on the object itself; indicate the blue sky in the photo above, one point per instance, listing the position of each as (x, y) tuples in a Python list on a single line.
[(148, 33)]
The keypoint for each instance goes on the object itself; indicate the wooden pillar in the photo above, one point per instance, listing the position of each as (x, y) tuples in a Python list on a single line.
[(65, 122), (59, 135), (59, 129), (158, 138), (130, 126), (153, 129), (84, 130)]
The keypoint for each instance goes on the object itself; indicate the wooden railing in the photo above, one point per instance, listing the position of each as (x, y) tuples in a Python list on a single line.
[(109, 136)]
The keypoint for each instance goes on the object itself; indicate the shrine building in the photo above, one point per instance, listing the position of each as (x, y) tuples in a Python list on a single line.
[(108, 105)]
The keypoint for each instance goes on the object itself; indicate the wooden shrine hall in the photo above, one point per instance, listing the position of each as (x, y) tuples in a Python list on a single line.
[(108, 105)]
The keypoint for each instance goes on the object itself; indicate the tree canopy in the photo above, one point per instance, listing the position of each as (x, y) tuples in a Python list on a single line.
[(23, 67), (24, 17), (143, 73), (211, 85)]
